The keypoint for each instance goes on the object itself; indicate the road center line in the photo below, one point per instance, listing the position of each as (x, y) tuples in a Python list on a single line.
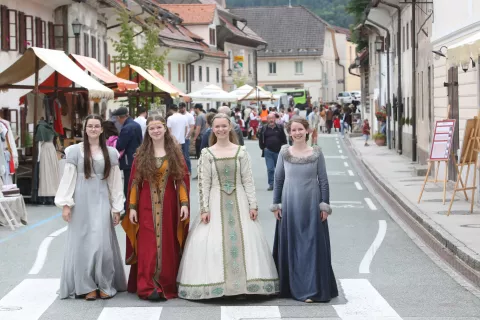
[(340, 151), (370, 204), (132, 313), (345, 164), (43, 251), (350, 173), (250, 312), (358, 185), (367, 259)]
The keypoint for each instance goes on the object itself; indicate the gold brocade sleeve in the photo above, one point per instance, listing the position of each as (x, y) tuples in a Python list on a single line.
[(132, 202)]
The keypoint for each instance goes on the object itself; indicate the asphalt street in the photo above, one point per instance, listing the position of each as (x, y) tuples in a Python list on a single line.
[(382, 270)]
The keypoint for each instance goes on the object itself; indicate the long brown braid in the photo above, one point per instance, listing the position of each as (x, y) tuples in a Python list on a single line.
[(146, 168)]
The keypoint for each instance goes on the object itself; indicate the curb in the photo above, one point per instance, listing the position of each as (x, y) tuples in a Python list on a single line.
[(448, 241)]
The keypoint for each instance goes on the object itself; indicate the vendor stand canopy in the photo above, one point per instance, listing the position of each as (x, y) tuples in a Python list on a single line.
[(257, 94), (28, 64), (461, 52), (241, 92), (212, 93), (177, 92)]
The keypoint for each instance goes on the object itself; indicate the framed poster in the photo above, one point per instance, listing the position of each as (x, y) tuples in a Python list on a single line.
[(442, 140)]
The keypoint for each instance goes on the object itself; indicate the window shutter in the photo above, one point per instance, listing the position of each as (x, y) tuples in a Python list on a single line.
[(105, 55), (22, 37), (38, 32), (51, 36), (5, 32), (169, 71), (179, 73), (65, 38)]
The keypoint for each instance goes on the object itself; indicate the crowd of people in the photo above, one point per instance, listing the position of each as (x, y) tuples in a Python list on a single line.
[(223, 252)]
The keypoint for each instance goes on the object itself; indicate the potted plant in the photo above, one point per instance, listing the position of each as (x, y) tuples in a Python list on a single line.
[(379, 139), (381, 115)]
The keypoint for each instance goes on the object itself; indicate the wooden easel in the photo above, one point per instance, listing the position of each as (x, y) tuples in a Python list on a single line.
[(469, 157), (437, 163)]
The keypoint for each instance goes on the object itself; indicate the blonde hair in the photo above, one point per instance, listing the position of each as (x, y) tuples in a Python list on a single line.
[(232, 136)]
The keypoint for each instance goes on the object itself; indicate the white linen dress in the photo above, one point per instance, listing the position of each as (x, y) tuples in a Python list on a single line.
[(92, 255)]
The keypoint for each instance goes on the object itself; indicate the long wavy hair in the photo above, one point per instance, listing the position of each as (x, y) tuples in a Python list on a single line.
[(232, 135), (146, 168), (88, 161)]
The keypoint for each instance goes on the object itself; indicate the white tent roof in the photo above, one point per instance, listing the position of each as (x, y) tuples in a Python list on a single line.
[(242, 91), (257, 93), (211, 93), (462, 51)]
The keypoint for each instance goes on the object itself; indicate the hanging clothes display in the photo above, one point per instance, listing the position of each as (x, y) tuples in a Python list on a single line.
[(31, 106), (57, 123), (3, 161), (48, 177), (11, 146)]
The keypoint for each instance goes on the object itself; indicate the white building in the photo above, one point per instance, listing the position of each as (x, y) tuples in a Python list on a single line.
[(291, 61)]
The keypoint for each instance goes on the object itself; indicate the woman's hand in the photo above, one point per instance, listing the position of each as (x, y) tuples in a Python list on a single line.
[(133, 216), (323, 215), (205, 217), (278, 214), (66, 213), (253, 214), (184, 213), (116, 218)]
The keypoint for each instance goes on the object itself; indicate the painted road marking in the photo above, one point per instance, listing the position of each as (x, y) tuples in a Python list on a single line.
[(43, 251), (364, 302), (370, 204), (358, 185), (345, 164), (356, 202), (30, 227), (367, 259), (251, 312), (350, 173), (347, 206), (340, 151), (135, 313), (29, 300), (336, 157)]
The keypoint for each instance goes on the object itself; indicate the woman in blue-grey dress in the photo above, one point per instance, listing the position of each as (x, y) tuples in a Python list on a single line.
[(301, 205), (91, 198)]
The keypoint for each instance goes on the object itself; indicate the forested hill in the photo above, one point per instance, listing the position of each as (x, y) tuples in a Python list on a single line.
[(333, 11)]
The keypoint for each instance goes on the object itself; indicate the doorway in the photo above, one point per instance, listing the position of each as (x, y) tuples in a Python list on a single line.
[(452, 91)]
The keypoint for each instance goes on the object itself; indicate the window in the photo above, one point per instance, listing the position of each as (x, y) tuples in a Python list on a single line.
[(86, 51), (192, 73), (99, 46), (212, 37), (298, 67), (4, 27), (105, 54), (169, 71), (200, 74), (403, 39), (407, 37), (60, 37), (272, 68), (44, 34), (94, 47), (207, 71), (12, 30), (218, 75), (38, 33), (179, 71), (28, 32)]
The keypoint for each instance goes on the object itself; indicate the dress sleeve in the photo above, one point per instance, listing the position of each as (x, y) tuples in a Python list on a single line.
[(66, 189), (279, 178), (247, 179), (115, 185), (204, 181), (323, 184), (182, 192)]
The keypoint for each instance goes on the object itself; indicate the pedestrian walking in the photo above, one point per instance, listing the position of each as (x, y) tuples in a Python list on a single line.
[(92, 260), (141, 119), (178, 126), (206, 134), (226, 252), (191, 124), (200, 127), (254, 123), (272, 138), (301, 205), (329, 120), (337, 123), (158, 215), (111, 135), (323, 120), (129, 140), (366, 131), (314, 121)]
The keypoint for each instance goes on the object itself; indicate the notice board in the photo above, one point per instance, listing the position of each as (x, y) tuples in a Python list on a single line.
[(442, 140)]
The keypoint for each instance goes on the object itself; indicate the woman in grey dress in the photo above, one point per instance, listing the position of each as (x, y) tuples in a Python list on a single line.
[(301, 205), (91, 197)]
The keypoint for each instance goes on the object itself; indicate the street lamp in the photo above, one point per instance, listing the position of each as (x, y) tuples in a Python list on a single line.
[(438, 53), (77, 28), (357, 61), (229, 72), (379, 44)]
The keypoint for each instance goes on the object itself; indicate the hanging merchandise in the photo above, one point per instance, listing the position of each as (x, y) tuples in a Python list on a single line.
[(48, 178), (31, 106), (11, 146)]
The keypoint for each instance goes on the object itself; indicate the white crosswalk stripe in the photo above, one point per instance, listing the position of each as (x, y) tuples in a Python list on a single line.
[(33, 297)]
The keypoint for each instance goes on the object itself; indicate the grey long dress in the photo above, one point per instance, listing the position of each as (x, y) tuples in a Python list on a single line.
[(302, 243), (92, 255)]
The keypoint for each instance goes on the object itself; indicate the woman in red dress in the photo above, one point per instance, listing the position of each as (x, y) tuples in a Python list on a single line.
[(158, 214)]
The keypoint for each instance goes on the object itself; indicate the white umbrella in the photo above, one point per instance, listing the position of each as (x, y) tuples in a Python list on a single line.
[(211, 93), (241, 92), (257, 94)]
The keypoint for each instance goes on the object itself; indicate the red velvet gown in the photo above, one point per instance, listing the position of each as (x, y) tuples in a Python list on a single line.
[(155, 244)]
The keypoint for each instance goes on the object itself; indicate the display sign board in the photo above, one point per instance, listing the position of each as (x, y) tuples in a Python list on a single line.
[(238, 62), (442, 140)]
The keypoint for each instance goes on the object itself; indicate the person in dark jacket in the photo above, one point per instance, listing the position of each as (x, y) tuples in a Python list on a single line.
[(271, 139), (129, 140)]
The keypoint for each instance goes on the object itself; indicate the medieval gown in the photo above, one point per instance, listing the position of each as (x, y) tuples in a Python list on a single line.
[(302, 243), (154, 245), (229, 255), (92, 255)]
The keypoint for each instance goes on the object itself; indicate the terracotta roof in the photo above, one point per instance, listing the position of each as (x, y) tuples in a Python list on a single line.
[(193, 13)]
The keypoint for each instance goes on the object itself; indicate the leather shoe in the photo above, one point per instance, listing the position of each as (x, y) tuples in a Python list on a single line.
[(92, 296), (103, 295)]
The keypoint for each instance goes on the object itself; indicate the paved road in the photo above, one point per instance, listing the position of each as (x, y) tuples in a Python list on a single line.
[(382, 270)]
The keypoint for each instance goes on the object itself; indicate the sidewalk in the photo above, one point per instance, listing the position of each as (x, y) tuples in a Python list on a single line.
[(459, 232)]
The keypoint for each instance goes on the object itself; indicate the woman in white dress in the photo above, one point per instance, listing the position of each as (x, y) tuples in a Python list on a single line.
[(226, 253), (91, 196)]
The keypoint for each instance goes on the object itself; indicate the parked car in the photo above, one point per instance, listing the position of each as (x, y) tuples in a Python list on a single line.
[(344, 98), (357, 97)]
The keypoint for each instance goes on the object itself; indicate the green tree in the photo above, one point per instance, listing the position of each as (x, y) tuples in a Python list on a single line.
[(125, 47), (357, 9)]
